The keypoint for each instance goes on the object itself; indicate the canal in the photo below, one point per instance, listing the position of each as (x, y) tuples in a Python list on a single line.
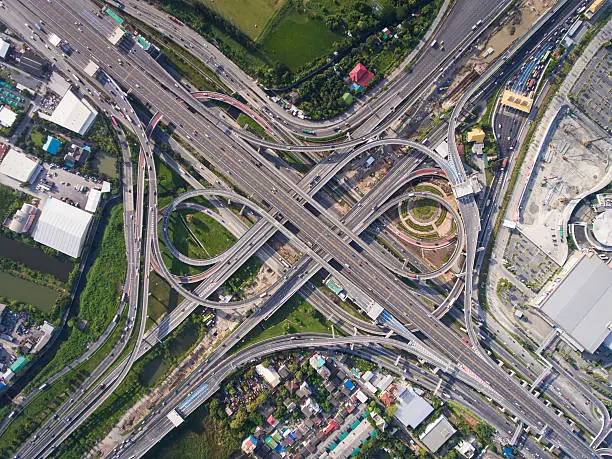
[(34, 258)]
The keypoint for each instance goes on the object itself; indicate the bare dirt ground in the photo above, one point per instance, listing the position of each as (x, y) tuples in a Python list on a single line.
[(146, 403), (264, 279)]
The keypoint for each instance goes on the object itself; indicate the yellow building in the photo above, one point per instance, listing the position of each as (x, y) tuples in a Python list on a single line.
[(590, 12), (476, 135)]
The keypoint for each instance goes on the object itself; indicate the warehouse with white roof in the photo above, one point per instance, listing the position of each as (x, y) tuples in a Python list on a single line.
[(76, 115), (62, 227), (581, 303), (19, 166)]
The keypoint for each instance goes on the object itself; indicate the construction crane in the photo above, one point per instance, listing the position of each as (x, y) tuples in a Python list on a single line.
[(587, 143)]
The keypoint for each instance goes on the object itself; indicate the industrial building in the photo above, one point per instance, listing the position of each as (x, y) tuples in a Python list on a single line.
[(602, 228), (62, 227), (437, 433), (4, 48), (23, 219), (581, 304), (412, 409), (7, 116), (19, 166), (31, 63), (72, 113)]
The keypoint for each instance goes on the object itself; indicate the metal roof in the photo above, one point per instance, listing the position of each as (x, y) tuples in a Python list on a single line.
[(437, 433), (72, 113), (19, 166), (62, 227), (412, 409), (581, 303)]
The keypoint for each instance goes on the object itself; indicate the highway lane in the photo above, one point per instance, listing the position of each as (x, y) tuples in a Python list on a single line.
[(455, 30), (301, 222)]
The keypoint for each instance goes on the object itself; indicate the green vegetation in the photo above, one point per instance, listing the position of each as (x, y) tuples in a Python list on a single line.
[(424, 208), (10, 201), (296, 38), (295, 316), (213, 236), (169, 183), (250, 16), (243, 276), (300, 38), (162, 299), (184, 243), (146, 374), (99, 300), (293, 161), (252, 124)]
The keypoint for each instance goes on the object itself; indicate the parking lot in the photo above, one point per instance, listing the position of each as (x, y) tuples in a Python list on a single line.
[(62, 184), (593, 88), (528, 263)]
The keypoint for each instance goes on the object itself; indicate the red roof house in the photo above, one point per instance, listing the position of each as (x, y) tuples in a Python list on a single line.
[(361, 75), (333, 425)]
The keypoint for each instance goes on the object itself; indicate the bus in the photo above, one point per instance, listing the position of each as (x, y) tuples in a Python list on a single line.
[(175, 20), (114, 120), (306, 131)]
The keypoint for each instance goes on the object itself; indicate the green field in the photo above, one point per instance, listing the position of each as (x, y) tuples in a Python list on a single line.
[(162, 298), (213, 236), (251, 16), (295, 316), (424, 208), (297, 39)]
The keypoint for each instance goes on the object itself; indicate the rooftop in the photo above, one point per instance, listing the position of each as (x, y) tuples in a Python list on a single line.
[(7, 116), (62, 227), (72, 113), (19, 166), (581, 303), (602, 227), (437, 433)]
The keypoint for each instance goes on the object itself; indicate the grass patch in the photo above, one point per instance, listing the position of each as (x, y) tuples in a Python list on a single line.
[(297, 39), (169, 183), (442, 217), (424, 208), (295, 316), (242, 277), (251, 16), (162, 299), (293, 161), (184, 243), (252, 125), (213, 236)]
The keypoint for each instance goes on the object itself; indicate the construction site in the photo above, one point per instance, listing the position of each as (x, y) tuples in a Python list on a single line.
[(574, 163)]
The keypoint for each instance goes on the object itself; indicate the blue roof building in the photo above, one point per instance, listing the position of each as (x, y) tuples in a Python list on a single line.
[(350, 385), (52, 145)]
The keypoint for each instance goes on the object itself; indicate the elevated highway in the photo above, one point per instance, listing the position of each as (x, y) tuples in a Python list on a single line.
[(392, 296)]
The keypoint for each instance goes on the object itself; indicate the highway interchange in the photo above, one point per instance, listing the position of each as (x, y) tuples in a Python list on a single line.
[(363, 271)]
